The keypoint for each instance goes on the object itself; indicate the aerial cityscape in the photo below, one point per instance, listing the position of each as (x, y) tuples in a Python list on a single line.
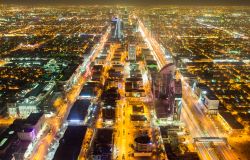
[(124, 82)]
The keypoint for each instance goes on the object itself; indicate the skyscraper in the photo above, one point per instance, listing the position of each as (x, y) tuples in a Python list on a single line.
[(116, 28), (167, 94)]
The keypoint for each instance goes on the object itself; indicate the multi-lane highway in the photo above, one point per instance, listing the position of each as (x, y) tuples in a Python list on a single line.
[(55, 122), (200, 125), (197, 122)]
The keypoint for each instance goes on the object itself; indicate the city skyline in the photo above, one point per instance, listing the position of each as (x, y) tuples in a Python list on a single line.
[(120, 82), (145, 3)]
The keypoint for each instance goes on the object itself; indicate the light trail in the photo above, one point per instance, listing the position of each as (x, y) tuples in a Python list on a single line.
[(55, 122), (156, 50), (231, 33), (195, 119)]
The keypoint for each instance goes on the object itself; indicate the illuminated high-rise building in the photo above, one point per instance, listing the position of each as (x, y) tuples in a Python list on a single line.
[(116, 28), (175, 98), (167, 93), (132, 52)]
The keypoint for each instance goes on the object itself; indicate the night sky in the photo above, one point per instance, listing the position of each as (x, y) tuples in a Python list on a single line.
[(133, 2)]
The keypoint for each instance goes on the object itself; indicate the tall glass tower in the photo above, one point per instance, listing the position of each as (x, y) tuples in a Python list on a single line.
[(116, 28)]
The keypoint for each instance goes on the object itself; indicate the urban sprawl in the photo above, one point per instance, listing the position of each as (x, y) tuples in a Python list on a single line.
[(124, 83)]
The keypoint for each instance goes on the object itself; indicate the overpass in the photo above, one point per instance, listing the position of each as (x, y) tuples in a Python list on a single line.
[(210, 139), (75, 122)]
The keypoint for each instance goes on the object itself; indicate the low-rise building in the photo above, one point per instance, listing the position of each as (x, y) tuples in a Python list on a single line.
[(230, 123), (12, 108), (142, 145), (101, 60), (108, 114), (138, 120), (31, 102), (78, 112), (134, 87), (118, 67), (89, 90), (26, 134), (132, 52), (138, 109), (31, 126), (211, 103), (115, 74), (102, 144), (14, 141), (135, 93), (173, 156), (116, 60), (69, 77)]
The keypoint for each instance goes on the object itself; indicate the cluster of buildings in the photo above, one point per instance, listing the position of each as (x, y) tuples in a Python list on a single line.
[(41, 63), (102, 146), (210, 49), (173, 144), (21, 135), (134, 83), (142, 145)]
